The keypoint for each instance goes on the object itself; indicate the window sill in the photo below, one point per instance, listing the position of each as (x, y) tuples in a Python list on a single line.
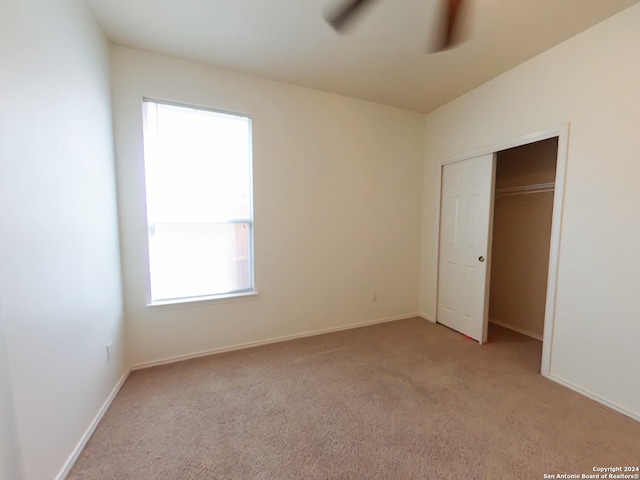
[(202, 301)]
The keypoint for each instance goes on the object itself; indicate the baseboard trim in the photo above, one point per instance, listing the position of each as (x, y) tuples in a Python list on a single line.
[(426, 317), (243, 346), (75, 454), (516, 329), (593, 396)]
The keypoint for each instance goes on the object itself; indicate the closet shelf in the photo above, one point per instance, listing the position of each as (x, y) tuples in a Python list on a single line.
[(526, 189)]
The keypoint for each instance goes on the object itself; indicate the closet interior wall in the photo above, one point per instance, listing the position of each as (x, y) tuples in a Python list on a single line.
[(521, 236)]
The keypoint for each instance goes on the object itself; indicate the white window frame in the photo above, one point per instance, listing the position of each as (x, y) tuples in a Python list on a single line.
[(233, 296)]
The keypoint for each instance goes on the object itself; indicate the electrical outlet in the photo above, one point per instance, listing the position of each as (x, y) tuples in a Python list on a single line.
[(109, 351)]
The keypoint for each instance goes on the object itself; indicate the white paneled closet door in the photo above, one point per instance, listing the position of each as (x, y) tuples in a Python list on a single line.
[(465, 230)]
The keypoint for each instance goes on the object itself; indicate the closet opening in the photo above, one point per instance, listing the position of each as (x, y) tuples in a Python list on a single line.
[(520, 246)]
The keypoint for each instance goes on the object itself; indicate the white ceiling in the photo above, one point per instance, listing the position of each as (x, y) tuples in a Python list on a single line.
[(381, 58)]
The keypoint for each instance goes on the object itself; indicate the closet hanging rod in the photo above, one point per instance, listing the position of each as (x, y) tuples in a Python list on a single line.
[(526, 189)]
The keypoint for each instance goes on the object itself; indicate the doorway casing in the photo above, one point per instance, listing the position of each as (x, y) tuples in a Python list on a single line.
[(562, 132)]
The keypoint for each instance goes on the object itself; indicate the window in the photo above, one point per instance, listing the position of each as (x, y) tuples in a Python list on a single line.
[(199, 209)]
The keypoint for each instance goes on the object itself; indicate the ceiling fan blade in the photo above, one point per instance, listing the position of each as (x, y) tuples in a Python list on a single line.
[(453, 13), (340, 18), (448, 35)]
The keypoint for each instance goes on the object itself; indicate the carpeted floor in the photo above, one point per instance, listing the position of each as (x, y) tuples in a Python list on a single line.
[(402, 400), (514, 347)]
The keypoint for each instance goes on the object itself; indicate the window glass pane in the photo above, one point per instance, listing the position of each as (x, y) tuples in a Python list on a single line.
[(198, 186), (196, 259), (197, 165)]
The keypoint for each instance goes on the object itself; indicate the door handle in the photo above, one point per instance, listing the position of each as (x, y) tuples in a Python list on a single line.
[(481, 258)]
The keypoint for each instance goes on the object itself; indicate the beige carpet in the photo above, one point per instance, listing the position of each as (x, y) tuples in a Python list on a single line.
[(403, 400)]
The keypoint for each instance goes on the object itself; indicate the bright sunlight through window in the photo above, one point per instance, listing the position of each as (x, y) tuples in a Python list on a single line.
[(199, 209)]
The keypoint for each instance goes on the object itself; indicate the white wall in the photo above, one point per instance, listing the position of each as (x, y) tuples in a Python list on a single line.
[(59, 259), (10, 466), (337, 195), (593, 82)]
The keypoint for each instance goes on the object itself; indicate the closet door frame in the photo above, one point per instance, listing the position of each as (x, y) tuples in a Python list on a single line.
[(562, 132)]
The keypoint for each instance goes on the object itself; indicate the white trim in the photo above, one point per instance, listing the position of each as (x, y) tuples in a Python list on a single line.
[(489, 257), (242, 346), (427, 317), (75, 454), (593, 396), (554, 248), (438, 233), (518, 141), (201, 301), (516, 329)]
